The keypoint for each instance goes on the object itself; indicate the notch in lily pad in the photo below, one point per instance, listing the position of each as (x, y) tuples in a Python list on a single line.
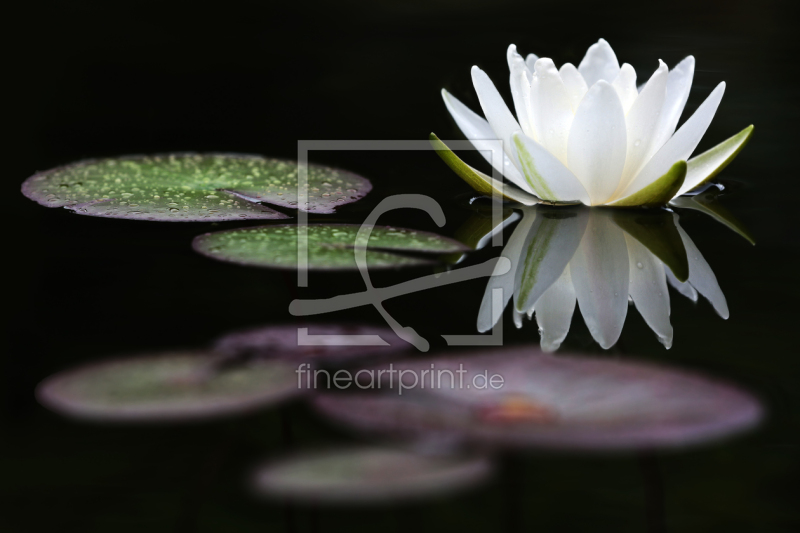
[(367, 475), (167, 387), (330, 246), (192, 187), (564, 402)]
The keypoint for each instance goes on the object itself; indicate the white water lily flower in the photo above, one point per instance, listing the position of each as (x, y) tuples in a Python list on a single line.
[(587, 135)]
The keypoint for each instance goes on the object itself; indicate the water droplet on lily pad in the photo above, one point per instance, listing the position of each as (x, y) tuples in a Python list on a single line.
[(176, 187), (367, 475), (330, 246), (561, 402), (167, 387), (324, 342)]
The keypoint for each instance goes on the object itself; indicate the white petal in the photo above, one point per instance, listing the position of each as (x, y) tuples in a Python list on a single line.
[(551, 108), (702, 278), (679, 83), (641, 123), (500, 118), (625, 85), (648, 289), (477, 129), (521, 93), (600, 271), (554, 312), (512, 56), (551, 243), (546, 175), (680, 146), (597, 142), (488, 315), (574, 83), (517, 318), (531, 60), (682, 287), (599, 63)]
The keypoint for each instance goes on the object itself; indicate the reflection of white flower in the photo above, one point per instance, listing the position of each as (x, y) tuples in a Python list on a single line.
[(597, 259), (587, 134)]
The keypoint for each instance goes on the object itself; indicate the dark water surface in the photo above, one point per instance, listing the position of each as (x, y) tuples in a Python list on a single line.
[(95, 79)]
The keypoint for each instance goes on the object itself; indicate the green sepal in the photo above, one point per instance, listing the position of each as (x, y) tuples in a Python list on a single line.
[(479, 181), (734, 144), (658, 193)]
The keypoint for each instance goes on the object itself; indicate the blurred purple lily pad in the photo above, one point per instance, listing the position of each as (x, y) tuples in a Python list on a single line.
[(172, 386), (557, 402), (318, 342), (191, 187), (367, 475)]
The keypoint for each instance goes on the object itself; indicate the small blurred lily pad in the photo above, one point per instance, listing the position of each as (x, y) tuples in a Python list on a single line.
[(367, 475), (171, 386), (322, 342)]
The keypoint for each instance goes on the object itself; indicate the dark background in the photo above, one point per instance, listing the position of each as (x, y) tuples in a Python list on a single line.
[(92, 79)]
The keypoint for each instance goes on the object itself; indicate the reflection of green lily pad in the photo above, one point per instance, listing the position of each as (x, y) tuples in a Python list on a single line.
[(167, 387), (191, 187), (367, 475), (330, 246)]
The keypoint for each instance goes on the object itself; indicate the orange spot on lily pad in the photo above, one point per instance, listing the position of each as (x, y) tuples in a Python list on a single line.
[(516, 408)]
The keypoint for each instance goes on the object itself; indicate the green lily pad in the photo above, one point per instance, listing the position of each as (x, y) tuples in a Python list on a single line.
[(191, 187), (330, 246), (167, 387), (367, 475), (657, 231)]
